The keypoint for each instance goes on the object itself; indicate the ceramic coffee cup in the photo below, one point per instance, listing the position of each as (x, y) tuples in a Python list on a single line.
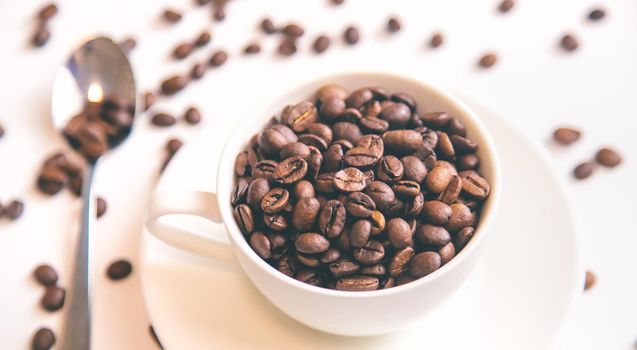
[(339, 312)]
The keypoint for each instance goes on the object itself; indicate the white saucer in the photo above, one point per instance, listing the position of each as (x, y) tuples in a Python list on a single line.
[(516, 298)]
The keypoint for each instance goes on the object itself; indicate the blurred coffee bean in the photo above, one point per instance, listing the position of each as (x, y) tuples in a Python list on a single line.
[(475, 185), (173, 145), (584, 170), (149, 100), (14, 210), (47, 11), (343, 267), (243, 217), (351, 35), (43, 339), (218, 58), (203, 39), (293, 30), (357, 283), (192, 116), (596, 14), (506, 5), (566, 136), (261, 245), (275, 200), (350, 180), (590, 280), (424, 263), (463, 237), (569, 43), (608, 157), (287, 47), (488, 60), (290, 171), (41, 35), (252, 48), (369, 254), (436, 40), (447, 252), (119, 269), (321, 44), (173, 85), (171, 16), (267, 26), (393, 25), (359, 205), (163, 120), (332, 218), (183, 50), (53, 298), (398, 233), (359, 233), (45, 275), (197, 71)]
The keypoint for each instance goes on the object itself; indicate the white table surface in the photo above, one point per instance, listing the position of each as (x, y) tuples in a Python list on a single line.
[(534, 84)]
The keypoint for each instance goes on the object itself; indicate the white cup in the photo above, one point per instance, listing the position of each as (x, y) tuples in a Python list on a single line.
[(339, 312)]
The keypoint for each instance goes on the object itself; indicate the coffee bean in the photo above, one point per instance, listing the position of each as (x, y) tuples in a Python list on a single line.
[(400, 261), (321, 130), (438, 179), (303, 189), (171, 16), (351, 35), (290, 171), (53, 298), (325, 183), (400, 142), (300, 116), (271, 142), (506, 5), (287, 47), (488, 60), (436, 212), (149, 100), (173, 85), (183, 50), (52, 179), (101, 207), (311, 243), (596, 14), (203, 39), (267, 26), (173, 145), (347, 131), (451, 193), (119, 269), (41, 35), (461, 216), (371, 253), (330, 91), (43, 339), (48, 11), (305, 213), (569, 43), (359, 205), (359, 97), (128, 44), (608, 157), (377, 270), (468, 162), (406, 99), (381, 194), (244, 162), (218, 58), (447, 252), (321, 44), (293, 149), (475, 185), (369, 149), (45, 275), (357, 283), (293, 30), (275, 200), (332, 218), (359, 233), (343, 267), (332, 108), (337, 2), (589, 281), (399, 233), (333, 158), (374, 125), (261, 245), (424, 263), (432, 235), (463, 145), (243, 217), (406, 189), (14, 210), (436, 40), (310, 277), (566, 136), (414, 169), (413, 206), (397, 114), (464, 236), (456, 127), (252, 48), (240, 192), (192, 116), (163, 120), (584, 170), (350, 180), (393, 25)]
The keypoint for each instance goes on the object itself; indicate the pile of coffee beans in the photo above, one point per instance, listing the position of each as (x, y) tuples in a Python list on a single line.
[(100, 126), (359, 191), (42, 34)]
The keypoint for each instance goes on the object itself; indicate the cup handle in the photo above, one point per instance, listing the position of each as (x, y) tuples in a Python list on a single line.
[(210, 243)]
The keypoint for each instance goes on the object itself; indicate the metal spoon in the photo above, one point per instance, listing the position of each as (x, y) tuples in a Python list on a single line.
[(97, 69)]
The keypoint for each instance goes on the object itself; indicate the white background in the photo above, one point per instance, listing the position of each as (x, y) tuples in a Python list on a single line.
[(535, 84)]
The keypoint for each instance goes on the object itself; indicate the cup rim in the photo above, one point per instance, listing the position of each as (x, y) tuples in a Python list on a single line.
[(487, 146)]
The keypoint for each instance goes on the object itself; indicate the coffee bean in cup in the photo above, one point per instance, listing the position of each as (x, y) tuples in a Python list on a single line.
[(359, 190)]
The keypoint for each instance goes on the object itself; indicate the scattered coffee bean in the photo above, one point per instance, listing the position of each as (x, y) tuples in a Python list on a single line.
[(218, 58), (287, 47), (506, 5), (608, 157), (119, 269), (173, 145), (173, 85), (171, 16), (393, 25), (267, 26), (14, 210), (488, 60), (149, 100), (219, 14), (48, 11), (45, 275), (337, 2), (569, 43), (351, 35), (43, 339), (183, 50), (41, 35), (584, 170), (589, 281), (163, 120), (198, 71), (321, 44), (192, 116), (566, 136), (596, 14), (203, 39), (252, 49), (101, 207), (436, 40), (293, 30), (53, 298)]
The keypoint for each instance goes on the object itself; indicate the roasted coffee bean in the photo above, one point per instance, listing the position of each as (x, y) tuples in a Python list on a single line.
[(377, 270), (45, 275), (183, 50), (252, 49), (413, 206), (332, 108), (310, 277), (351, 35), (359, 205), (447, 252), (171, 16), (399, 263), (53, 298), (464, 236), (406, 188), (452, 192), (404, 98), (293, 30), (368, 151), (332, 218), (343, 267), (330, 256), (313, 140), (435, 119), (461, 216), (381, 194), (244, 161), (52, 179), (357, 283), (173, 85), (337, 2), (101, 207), (400, 142), (608, 157), (414, 169), (436, 40), (271, 142), (314, 163), (389, 169), (436, 212), (371, 253), (424, 263), (397, 114), (321, 130), (374, 125), (393, 25), (43, 339), (192, 116), (333, 158), (285, 267), (321, 44), (203, 39), (149, 100), (345, 144), (350, 180), (351, 115), (462, 145), (295, 149), (445, 146), (303, 189), (218, 58), (359, 97), (275, 200), (267, 26), (119, 269), (243, 217), (325, 183), (395, 209), (308, 260), (432, 235), (456, 127), (371, 109), (596, 14), (300, 116), (475, 185), (331, 91), (14, 210), (347, 131), (566, 136), (75, 184), (506, 5), (589, 281), (261, 245), (569, 43), (399, 233), (240, 192), (311, 243), (305, 213), (290, 171), (488, 60), (359, 233), (276, 222), (378, 222), (41, 35), (468, 162), (263, 169), (48, 11), (583, 170), (438, 179), (287, 47)]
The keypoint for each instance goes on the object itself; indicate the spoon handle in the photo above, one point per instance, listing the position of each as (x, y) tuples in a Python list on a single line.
[(77, 330)]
